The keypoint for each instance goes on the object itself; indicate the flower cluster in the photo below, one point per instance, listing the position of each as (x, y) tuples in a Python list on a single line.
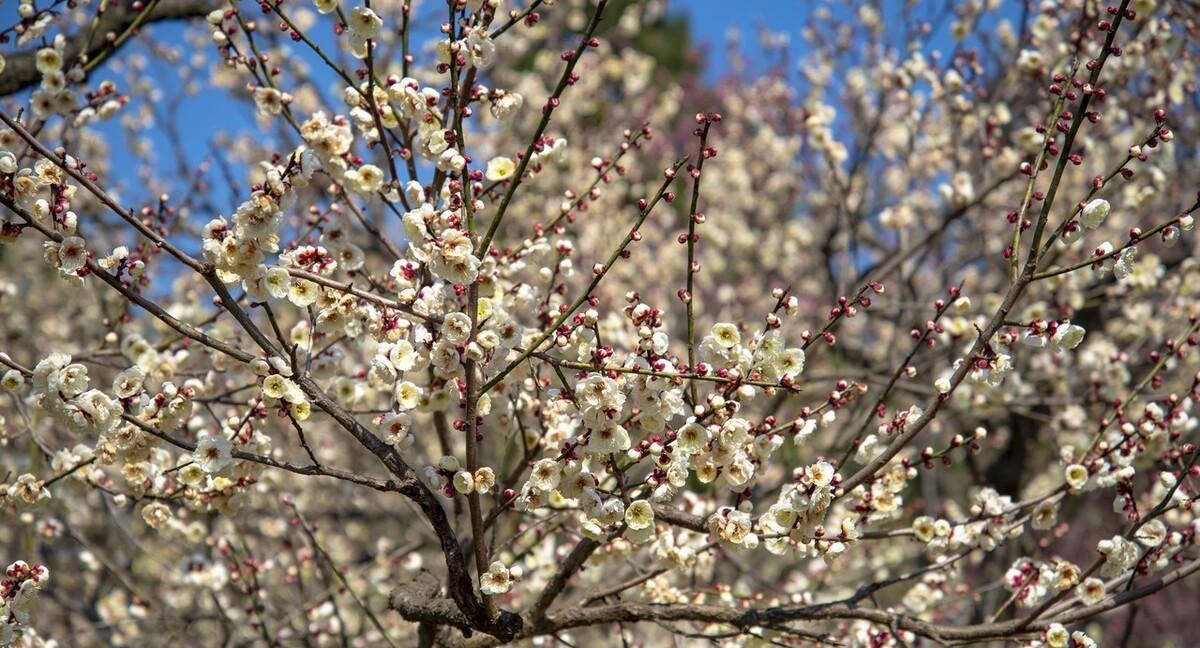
[(509, 293), (18, 594)]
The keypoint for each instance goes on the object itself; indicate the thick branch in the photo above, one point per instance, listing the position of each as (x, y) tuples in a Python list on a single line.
[(432, 609), (21, 71)]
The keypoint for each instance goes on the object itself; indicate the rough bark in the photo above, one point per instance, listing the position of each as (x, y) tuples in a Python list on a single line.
[(21, 71)]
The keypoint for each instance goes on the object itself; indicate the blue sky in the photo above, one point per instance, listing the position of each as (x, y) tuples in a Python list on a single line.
[(711, 21)]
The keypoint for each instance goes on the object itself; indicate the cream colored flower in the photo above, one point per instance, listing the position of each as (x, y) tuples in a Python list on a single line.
[(923, 528), (1076, 476), (639, 515), (1094, 213), (364, 23), (213, 453), (498, 579), (156, 514), (12, 380), (48, 61), (408, 395), (545, 475), (464, 482), (485, 479), (726, 335), (500, 169)]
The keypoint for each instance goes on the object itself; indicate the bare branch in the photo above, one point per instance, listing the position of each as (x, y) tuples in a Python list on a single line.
[(118, 17)]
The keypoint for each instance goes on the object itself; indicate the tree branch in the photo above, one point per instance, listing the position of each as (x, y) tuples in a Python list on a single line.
[(21, 71)]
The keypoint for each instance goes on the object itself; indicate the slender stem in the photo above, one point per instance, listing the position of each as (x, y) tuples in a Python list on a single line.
[(1054, 272), (103, 196), (1029, 186), (692, 265), (1080, 115), (601, 176), (584, 366), (547, 111), (516, 19), (1096, 187), (1014, 293), (596, 279), (337, 573), (124, 36)]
